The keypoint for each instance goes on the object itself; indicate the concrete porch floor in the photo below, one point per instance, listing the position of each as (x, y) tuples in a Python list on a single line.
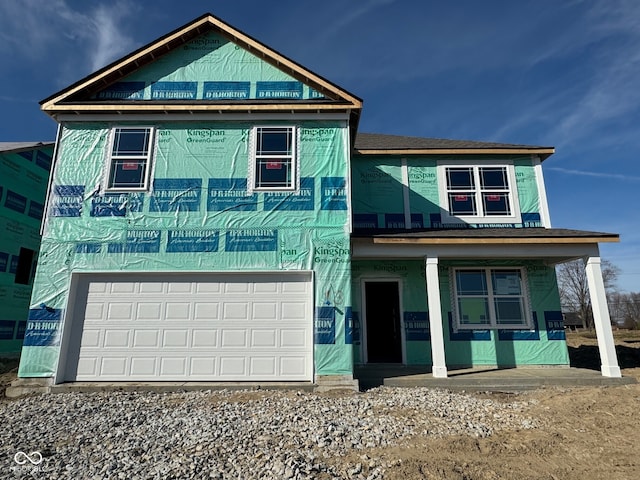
[(484, 378)]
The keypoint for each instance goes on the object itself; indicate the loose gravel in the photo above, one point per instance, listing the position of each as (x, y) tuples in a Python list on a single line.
[(235, 435)]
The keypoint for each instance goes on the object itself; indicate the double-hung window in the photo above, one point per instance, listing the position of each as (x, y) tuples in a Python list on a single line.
[(273, 159), (491, 298), (479, 194), (129, 158)]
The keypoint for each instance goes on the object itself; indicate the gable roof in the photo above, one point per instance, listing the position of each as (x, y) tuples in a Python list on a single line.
[(76, 97), (379, 144)]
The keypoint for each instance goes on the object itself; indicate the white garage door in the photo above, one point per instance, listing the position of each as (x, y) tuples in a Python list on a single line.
[(213, 327)]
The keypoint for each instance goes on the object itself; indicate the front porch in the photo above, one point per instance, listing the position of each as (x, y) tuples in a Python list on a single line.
[(483, 379)]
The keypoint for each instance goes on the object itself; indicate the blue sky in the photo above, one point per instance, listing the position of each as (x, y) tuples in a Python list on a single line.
[(540, 72)]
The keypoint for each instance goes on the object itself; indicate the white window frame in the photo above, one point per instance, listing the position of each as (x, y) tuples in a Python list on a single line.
[(148, 158), (492, 325), (253, 159), (512, 194)]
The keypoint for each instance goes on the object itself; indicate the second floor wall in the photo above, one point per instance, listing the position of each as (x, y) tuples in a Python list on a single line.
[(447, 192), (197, 177)]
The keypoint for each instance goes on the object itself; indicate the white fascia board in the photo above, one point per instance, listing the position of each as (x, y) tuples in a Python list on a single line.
[(365, 249)]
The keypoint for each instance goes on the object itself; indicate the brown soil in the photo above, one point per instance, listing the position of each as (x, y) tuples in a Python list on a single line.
[(587, 433)]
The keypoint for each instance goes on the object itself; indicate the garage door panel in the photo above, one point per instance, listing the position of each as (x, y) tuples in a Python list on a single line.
[(237, 287), (206, 311), (179, 288), (115, 366), (151, 311), (293, 366), (143, 366), (95, 311), (151, 287), (120, 311), (204, 338), (266, 287), (177, 311), (233, 338), (116, 339), (91, 338), (264, 338), (205, 366), (173, 367), (235, 367), (293, 310), (146, 338), (175, 338), (265, 311), (293, 338), (201, 327), (88, 366), (263, 366), (208, 287), (236, 311)]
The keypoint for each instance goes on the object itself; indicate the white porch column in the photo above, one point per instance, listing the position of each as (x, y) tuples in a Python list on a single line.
[(435, 319), (609, 361)]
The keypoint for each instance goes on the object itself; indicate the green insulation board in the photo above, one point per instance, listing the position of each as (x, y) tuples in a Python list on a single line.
[(209, 68), (543, 345), (379, 198), (23, 185), (197, 217)]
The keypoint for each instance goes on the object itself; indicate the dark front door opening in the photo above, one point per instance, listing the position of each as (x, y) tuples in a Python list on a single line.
[(384, 339)]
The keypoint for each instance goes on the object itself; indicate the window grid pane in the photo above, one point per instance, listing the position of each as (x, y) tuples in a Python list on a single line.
[(273, 172), (496, 203), (460, 178), (274, 141), (274, 158), (129, 160), (494, 178), (131, 142), (490, 298), (474, 311), (471, 282), (509, 311), (478, 191)]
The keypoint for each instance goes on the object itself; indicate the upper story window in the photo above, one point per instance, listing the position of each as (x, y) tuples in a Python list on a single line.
[(479, 194), (273, 162), (491, 298), (129, 158)]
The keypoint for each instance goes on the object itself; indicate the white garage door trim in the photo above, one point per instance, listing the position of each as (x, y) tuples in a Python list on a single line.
[(166, 326)]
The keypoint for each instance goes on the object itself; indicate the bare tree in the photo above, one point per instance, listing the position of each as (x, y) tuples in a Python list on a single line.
[(627, 306), (574, 290)]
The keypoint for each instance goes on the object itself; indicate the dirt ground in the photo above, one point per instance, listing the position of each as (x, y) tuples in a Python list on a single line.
[(588, 433)]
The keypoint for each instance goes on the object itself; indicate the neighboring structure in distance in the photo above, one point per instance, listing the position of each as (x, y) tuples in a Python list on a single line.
[(24, 170), (216, 216)]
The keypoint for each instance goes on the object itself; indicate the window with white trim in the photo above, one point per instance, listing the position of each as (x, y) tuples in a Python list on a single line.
[(273, 158), (129, 158), (479, 193), (490, 298)]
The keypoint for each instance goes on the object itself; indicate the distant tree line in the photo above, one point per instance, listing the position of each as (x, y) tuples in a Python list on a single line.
[(624, 308)]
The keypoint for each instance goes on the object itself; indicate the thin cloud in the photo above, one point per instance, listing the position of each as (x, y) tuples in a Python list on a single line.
[(615, 176), (39, 30), (353, 15)]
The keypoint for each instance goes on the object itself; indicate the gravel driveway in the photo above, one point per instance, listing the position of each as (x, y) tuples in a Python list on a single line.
[(235, 435)]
